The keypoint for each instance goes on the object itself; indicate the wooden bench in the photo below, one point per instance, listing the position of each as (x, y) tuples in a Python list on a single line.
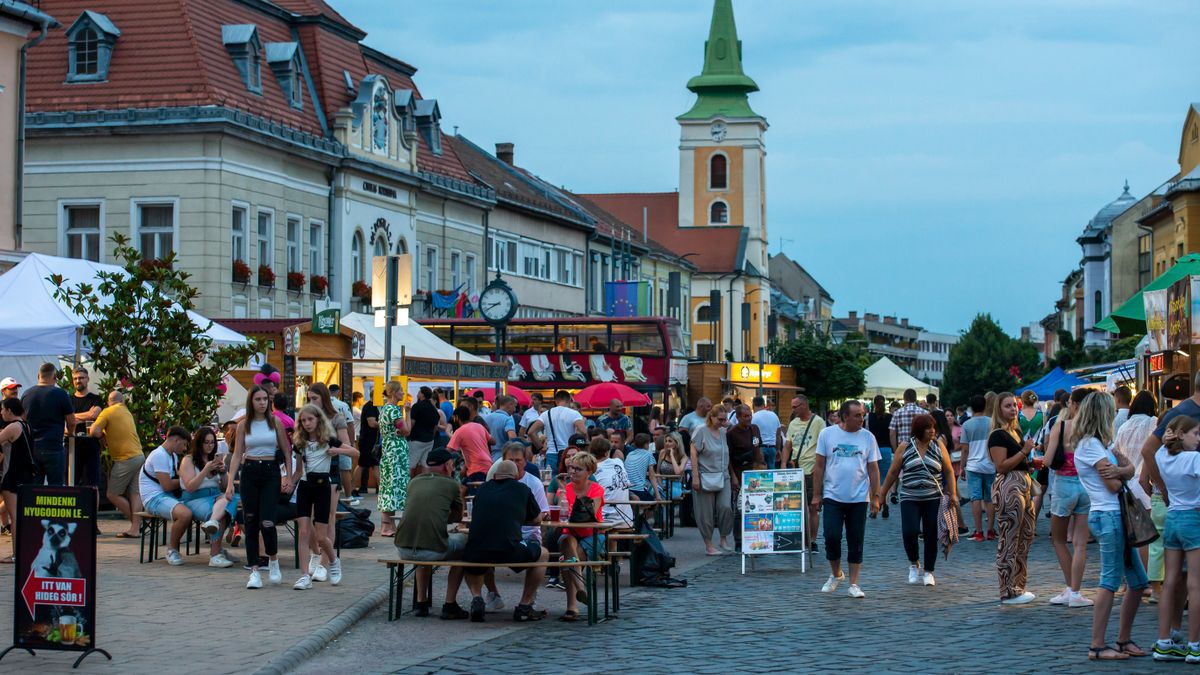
[(154, 530), (396, 576)]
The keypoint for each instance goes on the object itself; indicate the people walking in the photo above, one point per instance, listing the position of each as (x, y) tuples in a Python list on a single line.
[(845, 482), (712, 484), (1103, 475), (1013, 495), (1179, 469), (393, 460), (318, 447), (879, 422), (923, 468), (1069, 506), (979, 470), (800, 451), (1030, 422), (771, 429)]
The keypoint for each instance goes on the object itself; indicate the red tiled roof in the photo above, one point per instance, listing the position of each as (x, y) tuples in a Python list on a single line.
[(510, 183), (715, 247), (314, 8)]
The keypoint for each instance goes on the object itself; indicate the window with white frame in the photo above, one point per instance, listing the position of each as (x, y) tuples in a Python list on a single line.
[(455, 269), (238, 238), (504, 254), (431, 268), (470, 276), (530, 260), (155, 229), (293, 244), (81, 225), (265, 237), (316, 247), (356, 256)]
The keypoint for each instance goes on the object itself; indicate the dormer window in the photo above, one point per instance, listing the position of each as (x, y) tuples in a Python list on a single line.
[(242, 43), (91, 39), (429, 118), (284, 59)]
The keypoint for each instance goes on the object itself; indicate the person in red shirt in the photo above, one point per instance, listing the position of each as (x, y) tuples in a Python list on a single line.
[(579, 542), (474, 443)]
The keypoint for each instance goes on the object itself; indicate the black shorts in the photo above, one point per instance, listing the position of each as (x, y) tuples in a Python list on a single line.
[(312, 498), (526, 552)]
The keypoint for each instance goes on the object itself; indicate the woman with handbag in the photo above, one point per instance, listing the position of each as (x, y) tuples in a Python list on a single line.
[(711, 483), (923, 466), (583, 499), (1069, 505), (1013, 495), (1179, 469), (1103, 475)]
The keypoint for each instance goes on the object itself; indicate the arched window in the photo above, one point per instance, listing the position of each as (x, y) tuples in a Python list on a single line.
[(356, 253), (718, 175), (704, 314), (380, 246), (719, 213)]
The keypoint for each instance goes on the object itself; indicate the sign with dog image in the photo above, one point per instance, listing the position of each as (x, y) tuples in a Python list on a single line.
[(55, 604)]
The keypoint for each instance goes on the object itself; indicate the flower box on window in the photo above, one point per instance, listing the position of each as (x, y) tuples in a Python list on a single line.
[(241, 271), (318, 284), (361, 290), (295, 281), (266, 276)]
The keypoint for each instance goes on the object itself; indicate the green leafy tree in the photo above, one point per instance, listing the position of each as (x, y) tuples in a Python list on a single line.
[(1072, 353), (987, 359), (145, 343), (826, 371)]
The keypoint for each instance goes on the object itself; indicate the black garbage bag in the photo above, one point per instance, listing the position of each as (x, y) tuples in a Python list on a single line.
[(652, 561), (355, 531)]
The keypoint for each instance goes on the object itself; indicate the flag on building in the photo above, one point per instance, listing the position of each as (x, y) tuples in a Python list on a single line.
[(626, 298)]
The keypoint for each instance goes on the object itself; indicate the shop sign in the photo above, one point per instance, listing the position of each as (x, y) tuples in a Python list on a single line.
[(1155, 305), (1179, 313), (1157, 362), (327, 322), (452, 370), (750, 373)]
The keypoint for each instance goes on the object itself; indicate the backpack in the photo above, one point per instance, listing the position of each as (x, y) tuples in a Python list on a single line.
[(655, 562), (355, 531)]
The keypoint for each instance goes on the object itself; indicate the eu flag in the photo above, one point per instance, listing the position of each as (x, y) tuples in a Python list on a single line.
[(626, 298)]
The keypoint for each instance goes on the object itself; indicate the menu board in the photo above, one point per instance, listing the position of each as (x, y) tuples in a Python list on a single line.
[(773, 512)]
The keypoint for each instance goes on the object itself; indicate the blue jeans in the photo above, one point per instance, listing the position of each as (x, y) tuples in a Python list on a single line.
[(885, 463), (853, 517), (768, 452), (1117, 562)]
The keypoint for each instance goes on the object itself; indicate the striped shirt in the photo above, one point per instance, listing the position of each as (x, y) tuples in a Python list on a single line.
[(920, 477)]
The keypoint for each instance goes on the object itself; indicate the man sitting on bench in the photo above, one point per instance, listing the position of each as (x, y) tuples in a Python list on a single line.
[(502, 506), (157, 483), (434, 500)]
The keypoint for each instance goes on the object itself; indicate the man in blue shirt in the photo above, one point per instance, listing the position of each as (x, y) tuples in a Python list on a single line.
[(501, 424), (49, 413), (616, 418)]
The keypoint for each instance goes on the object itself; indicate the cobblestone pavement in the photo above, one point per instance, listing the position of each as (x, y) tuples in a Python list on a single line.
[(776, 620)]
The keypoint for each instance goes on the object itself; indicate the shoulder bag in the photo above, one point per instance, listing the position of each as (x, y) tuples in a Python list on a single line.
[(1060, 454), (711, 481), (1139, 528), (803, 439)]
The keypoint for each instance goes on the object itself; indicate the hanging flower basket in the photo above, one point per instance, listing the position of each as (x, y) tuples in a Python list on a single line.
[(241, 272), (318, 284), (361, 290), (266, 276), (295, 281)]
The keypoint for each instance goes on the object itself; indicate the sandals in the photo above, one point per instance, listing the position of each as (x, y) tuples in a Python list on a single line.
[(1106, 653), (570, 616), (125, 535), (1130, 648)]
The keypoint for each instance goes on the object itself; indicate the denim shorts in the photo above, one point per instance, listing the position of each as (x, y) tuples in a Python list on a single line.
[(979, 486), (1110, 534), (161, 505), (1069, 498), (201, 502), (1182, 531), (345, 463)]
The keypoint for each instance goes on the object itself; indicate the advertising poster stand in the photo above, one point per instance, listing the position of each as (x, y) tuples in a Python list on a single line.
[(772, 517), (54, 604)]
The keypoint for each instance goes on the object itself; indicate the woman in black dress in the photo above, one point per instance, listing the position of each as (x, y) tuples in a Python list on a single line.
[(22, 468)]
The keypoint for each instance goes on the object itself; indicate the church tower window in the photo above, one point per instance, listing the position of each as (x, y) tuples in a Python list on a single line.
[(718, 213), (718, 173)]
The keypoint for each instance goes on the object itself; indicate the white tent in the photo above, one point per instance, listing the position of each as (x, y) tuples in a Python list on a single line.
[(417, 341), (886, 378), (34, 323)]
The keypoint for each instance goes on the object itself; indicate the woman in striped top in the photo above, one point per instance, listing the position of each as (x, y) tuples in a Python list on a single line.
[(922, 466)]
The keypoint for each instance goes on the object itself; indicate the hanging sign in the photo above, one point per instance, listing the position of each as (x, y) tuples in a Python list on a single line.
[(1155, 305), (327, 322), (749, 373), (1179, 314)]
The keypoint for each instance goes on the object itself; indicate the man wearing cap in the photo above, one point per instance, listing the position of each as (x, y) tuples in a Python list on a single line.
[(434, 501), (502, 506), (9, 388)]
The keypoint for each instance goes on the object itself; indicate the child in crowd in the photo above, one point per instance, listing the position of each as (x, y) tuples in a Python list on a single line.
[(316, 445)]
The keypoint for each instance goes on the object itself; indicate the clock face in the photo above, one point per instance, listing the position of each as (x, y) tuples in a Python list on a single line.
[(497, 304), (718, 131)]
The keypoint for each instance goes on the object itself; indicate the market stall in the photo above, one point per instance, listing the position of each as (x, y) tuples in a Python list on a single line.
[(886, 378)]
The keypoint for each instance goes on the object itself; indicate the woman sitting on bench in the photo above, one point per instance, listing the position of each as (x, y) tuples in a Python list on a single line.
[(202, 477), (577, 543)]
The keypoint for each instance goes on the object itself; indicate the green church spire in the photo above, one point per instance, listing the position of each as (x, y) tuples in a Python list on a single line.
[(721, 87)]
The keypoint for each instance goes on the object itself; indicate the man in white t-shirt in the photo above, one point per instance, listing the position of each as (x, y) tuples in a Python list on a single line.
[(559, 422), (158, 480), (769, 427), (981, 473), (845, 486), (531, 414), (611, 475), (696, 418)]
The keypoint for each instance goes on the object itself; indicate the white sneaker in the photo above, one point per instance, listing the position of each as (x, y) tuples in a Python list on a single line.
[(494, 603), (303, 583), (173, 557), (1077, 600), (355, 501), (855, 592), (928, 580), (320, 573), (313, 562), (1062, 598), (1021, 599), (335, 571), (273, 574), (832, 584), (914, 574), (255, 580), (210, 527), (219, 560)]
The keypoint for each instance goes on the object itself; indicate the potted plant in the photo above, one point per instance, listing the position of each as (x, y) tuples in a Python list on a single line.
[(266, 276), (318, 284), (241, 271), (361, 290), (295, 281)]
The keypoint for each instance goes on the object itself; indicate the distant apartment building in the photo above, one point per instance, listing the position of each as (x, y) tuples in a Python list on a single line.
[(886, 336), (933, 353)]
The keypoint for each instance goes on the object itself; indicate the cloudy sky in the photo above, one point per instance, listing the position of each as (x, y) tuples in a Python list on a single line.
[(928, 159)]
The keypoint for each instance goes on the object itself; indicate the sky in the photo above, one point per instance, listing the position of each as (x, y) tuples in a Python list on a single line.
[(927, 159)]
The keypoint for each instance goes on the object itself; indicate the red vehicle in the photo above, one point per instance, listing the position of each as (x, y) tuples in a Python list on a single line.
[(546, 354)]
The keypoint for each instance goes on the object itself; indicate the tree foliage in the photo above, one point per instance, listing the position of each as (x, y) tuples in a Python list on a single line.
[(987, 359), (1072, 353), (143, 341), (826, 371)]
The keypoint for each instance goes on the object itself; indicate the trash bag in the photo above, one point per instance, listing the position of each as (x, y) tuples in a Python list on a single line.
[(355, 531), (653, 562)]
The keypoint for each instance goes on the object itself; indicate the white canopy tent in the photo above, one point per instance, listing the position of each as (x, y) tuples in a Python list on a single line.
[(35, 323), (417, 341), (886, 378)]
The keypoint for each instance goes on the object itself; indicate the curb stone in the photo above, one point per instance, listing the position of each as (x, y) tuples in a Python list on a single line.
[(296, 654)]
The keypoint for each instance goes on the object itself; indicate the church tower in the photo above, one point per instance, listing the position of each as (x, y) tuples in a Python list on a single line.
[(722, 185)]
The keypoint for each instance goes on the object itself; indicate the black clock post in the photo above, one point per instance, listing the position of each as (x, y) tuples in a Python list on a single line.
[(497, 306)]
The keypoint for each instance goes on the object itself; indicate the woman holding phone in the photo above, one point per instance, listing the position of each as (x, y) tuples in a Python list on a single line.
[(1013, 495)]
